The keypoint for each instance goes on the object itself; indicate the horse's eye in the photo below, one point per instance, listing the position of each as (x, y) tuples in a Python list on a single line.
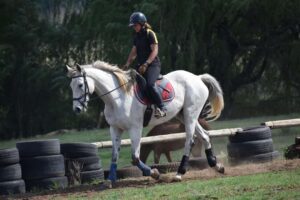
[(80, 85)]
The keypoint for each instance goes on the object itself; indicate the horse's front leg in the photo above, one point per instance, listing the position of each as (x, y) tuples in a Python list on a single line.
[(135, 137), (115, 134)]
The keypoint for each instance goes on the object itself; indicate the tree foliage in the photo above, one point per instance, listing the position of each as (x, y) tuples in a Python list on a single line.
[(251, 46)]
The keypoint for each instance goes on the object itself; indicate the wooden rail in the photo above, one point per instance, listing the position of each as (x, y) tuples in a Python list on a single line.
[(167, 138), (282, 123), (212, 133)]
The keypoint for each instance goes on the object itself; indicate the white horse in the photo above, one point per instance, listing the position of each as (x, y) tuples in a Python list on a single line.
[(124, 112)]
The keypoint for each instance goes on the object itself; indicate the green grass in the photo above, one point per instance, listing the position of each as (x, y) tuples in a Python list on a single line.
[(279, 185), (281, 137)]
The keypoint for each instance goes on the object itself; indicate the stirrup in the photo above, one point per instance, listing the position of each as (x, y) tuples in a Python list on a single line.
[(159, 113)]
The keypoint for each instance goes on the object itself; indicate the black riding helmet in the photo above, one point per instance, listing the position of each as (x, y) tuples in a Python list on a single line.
[(137, 18)]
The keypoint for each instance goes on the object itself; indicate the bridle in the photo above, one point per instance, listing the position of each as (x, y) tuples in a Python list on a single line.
[(84, 96)]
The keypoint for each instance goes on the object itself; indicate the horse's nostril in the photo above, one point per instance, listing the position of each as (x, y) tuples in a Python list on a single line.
[(77, 109)]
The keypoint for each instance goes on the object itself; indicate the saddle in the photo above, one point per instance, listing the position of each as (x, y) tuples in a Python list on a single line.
[(165, 90), (164, 86)]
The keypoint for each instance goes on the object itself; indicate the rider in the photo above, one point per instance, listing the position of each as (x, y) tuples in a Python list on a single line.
[(145, 48)]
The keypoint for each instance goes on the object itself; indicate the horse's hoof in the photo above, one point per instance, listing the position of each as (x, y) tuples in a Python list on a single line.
[(155, 174), (177, 178), (220, 168)]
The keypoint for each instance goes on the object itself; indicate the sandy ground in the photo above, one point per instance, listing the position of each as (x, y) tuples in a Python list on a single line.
[(90, 190)]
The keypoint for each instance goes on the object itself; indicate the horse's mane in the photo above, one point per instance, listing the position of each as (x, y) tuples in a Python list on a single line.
[(125, 78)]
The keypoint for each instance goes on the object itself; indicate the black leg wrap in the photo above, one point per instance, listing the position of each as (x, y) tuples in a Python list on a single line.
[(211, 159), (183, 164)]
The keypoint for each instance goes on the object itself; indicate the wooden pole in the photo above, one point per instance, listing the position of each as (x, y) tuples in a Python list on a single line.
[(282, 123), (212, 133), (167, 138)]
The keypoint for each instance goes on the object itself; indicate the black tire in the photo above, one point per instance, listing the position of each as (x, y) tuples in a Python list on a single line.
[(246, 149), (12, 187), (166, 168), (38, 148), (10, 172), (91, 176), (251, 134), (260, 158), (41, 167), (91, 167), (9, 156), (77, 150), (198, 163), (47, 184)]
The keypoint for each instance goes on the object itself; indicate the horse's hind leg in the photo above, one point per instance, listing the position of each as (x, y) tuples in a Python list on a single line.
[(211, 158), (190, 123)]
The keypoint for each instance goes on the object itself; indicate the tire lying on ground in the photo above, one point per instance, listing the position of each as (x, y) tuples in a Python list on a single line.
[(78, 150), (260, 158), (42, 167), (251, 148), (38, 148), (10, 172), (12, 187), (9, 156), (251, 134), (167, 167), (91, 176)]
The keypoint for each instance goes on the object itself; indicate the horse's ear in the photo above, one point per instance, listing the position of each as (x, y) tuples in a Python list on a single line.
[(69, 71), (78, 67)]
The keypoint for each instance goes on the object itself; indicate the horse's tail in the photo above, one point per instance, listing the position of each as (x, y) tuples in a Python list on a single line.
[(215, 96)]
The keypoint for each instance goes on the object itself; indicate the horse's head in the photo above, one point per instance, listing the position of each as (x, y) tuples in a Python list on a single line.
[(82, 86)]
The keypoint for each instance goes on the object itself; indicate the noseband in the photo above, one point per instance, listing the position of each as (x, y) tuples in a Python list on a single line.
[(86, 90)]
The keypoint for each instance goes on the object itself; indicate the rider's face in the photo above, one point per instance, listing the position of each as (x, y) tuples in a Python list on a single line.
[(137, 27)]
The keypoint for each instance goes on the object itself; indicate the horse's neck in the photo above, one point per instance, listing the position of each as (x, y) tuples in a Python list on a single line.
[(105, 82)]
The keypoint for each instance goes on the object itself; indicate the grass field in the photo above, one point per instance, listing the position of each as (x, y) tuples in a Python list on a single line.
[(281, 137), (280, 185)]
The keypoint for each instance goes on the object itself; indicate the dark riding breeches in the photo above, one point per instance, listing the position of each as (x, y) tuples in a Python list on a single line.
[(151, 76)]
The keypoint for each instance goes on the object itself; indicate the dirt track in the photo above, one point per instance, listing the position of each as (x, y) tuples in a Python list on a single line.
[(89, 190)]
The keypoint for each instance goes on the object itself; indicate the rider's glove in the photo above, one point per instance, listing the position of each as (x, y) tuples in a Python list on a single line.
[(143, 68)]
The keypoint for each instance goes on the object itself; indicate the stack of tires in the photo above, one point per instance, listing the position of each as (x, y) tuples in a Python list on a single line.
[(252, 145), (11, 181), (84, 155), (42, 164)]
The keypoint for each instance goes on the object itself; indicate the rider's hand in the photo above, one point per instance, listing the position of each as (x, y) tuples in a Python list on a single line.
[(143, 68)]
